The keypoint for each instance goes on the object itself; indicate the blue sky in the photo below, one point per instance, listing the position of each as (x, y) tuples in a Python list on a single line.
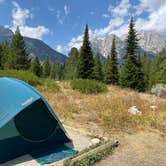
[(60, 23)]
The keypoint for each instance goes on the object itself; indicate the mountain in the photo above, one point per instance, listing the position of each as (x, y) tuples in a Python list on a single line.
[(150, 41), (34, 47)]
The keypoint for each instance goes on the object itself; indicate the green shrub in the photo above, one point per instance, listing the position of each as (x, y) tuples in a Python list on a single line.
[(30, 78), (88, 86), (51, 84), (25, 76)]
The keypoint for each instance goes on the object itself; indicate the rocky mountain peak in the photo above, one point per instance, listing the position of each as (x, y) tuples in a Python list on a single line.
[(5, 31), (150, 41)]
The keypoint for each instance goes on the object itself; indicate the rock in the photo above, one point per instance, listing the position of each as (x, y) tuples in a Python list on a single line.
[(94, 141), (134, 110)]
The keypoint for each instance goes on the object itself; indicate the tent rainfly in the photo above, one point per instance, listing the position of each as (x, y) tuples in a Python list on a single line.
[(27, 122)]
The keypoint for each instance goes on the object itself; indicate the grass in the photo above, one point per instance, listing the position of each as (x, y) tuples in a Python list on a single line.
[(102, 114), (30, 78)]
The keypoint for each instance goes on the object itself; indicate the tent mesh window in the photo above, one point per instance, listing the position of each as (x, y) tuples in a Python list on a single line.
[(35, 123)]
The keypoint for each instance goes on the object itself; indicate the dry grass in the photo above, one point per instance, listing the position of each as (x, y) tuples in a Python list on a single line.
[(108, 112)]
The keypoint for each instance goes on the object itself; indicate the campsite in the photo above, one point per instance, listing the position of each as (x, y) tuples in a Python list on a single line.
[(83, 83)]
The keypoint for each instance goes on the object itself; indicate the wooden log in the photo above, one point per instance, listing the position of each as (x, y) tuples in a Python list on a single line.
[(72, 161)]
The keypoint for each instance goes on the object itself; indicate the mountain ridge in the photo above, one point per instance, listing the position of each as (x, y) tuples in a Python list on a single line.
[(35, 47), (150, 41)]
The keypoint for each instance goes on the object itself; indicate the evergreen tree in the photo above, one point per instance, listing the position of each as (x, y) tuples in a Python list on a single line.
[(1, 57), (86, 62), (53, 71), (46, 67), (5, 61), (71, 65), (107, 70), (111, 66), (114, 64), (19, 57), (158, 69), (146, 64), (131, 74), (36, 67), (97, 69), (56, 71), (140, 76), (131, 41)]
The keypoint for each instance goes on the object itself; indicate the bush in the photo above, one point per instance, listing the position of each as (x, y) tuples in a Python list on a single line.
[(25, 76), (51, 84), (159, 90), (30, 78), (88, 86)]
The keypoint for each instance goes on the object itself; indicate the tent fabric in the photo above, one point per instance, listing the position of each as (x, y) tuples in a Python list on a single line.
[(14, 97), (27, 122)]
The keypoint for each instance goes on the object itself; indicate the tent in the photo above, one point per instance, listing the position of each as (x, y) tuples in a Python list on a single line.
[(27, 122)]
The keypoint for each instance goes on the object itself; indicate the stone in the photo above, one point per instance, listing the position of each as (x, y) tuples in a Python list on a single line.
[(94, 141), (134, 110)]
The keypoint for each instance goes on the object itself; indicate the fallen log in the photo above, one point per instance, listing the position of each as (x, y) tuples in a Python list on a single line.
[(99, 149)]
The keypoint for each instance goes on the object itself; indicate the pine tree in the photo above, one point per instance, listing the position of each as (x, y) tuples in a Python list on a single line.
[(71, 64), (158, 69), (46, 67), (111, 66), (36, 67), (107, 70), (146, 65), (1, 57), (19, 56), (6, 58), (131, 41), (131, 74), (57, 71), (53, 71), (114, 63), (86, 62), (140, 76), (97, 69)]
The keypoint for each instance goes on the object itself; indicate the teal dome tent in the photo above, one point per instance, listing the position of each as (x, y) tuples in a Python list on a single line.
[(27, 122)]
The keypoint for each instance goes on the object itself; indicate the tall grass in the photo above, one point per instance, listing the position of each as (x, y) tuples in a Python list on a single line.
[(108, 112)]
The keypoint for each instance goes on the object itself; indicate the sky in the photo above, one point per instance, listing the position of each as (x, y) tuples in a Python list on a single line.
[(61, 23)]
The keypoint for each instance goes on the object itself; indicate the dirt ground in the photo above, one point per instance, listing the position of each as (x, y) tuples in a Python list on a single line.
[(141, 149)]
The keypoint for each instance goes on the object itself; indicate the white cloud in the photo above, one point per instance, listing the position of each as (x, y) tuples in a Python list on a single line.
[(121, 9), (152, 4), (59, 48), (20, 16), (155, 21), (59, 17), (113, 24), (106, 15), (66, 10), (34, 32), (148, 5), (75, 42)]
